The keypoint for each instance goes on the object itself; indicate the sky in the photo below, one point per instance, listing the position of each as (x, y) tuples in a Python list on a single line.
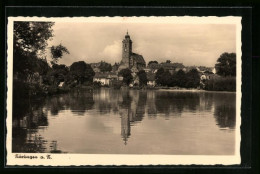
[(190, 44)]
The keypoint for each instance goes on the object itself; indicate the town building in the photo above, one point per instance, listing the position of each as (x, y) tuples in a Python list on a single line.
[(172, 67), (151, 79), (105, 78)]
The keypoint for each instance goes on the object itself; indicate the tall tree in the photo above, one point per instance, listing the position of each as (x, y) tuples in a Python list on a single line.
[(142, 78), (127, 76), (105, 67), (30, 41), (192, 79), (57, 74), (82, 72), (226, 64), (158, 76), (163, 77), (181, 78)]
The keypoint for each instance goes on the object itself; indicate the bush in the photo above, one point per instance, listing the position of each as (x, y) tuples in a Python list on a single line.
[(96, 84), (221, 84), (20, 89)]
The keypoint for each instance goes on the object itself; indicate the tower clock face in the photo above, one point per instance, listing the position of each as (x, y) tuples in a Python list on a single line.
[(125, 49)]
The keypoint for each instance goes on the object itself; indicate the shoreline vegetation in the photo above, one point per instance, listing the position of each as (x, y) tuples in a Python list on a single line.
[(26, 90)]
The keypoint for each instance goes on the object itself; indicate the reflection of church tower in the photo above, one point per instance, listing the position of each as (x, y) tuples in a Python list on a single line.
[(126, 50), (125, 126)]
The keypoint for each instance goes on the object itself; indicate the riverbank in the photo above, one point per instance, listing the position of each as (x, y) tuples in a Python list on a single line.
[(195, 90)]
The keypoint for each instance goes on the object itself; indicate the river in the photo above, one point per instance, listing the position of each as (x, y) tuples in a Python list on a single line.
[(108, 121)]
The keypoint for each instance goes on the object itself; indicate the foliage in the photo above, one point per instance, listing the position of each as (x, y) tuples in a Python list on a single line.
[(159, 75), (57, 74), (226, 64), (152, 62), (192, 79), (81, 72), (127, 76), (163, 77), (221, 84), (115, 66), (142, 78), (32, 36), (57, 52), (179, 79), (105, 67), (168, 61), (30, 41), (97, 84)]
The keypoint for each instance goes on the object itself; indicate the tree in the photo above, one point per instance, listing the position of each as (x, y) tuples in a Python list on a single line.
[(105, 67), (152, 62), (30, 41), (163, 77), (32, 36), (181, 78), (168, 61), (142, 78), (127, 75), (57, 52), (81, 72), (226, 64), (166, 78), (158, 76), (57, 74), (192, 79)]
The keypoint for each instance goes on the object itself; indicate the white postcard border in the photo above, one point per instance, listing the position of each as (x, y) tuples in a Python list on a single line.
[(47, 159)]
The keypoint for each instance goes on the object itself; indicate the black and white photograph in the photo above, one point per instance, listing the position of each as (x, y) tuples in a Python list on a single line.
[(124, 90)]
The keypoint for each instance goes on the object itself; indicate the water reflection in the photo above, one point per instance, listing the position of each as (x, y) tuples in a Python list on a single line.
[(132, 106), (225, 112)]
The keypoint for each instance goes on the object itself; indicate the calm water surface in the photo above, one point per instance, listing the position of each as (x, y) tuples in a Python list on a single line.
[(127, 122)]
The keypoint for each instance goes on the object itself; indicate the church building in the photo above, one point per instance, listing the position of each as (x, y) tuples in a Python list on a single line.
[(130, 60)]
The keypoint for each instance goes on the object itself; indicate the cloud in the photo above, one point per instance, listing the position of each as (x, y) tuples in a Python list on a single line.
[(112, 52), (191, 44)]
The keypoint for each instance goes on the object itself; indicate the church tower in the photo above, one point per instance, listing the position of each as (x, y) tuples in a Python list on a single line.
[(126, 50)]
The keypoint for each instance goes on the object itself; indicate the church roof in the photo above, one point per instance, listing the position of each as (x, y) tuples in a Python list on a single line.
[(138, 58)]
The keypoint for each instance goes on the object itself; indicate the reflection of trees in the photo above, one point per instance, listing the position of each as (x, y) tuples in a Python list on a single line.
[(77, 101), (131, 105), (107, 100), (27, 141), (25, 135), (225, 110), (140, 108), (176, 102), (54, 147), (56, 104), (80, 102)]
